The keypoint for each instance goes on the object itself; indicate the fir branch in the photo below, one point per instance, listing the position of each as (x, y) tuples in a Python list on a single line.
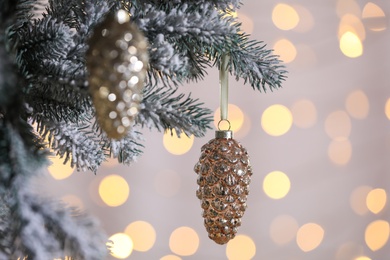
[(162, 111), (75, 142)]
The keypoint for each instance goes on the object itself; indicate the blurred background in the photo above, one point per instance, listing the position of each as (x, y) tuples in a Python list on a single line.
[(319, 148)]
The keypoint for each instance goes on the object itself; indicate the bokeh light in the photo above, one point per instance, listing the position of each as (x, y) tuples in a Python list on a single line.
[(58, 170), (376, 200), (358, 199), (362, 258), (276, 185), (241, 247), (374, 17), (306, 19), (285, 17), (236, 118), (310, 236), (286, 50), (142, 234), (121, 246), (350, 45), (377, 234), (114, 190), (357, 104), (276, 120), (304, 113), (177, 145), (184, 241), (73, 201), (247, 24), (338, 125), (170, 257), (340, 151), (352, 23), (167, 183), (283, 229), (387, 109)]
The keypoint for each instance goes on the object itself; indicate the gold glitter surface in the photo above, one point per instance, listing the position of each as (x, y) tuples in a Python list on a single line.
[(117, 62)]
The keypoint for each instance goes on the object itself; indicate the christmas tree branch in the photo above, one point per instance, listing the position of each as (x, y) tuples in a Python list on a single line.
[(162, 111)]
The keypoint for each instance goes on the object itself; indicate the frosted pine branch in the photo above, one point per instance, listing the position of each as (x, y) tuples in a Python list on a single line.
[(161, 110)]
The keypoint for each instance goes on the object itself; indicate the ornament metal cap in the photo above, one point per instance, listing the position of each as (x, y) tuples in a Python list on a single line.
[(227, 134)]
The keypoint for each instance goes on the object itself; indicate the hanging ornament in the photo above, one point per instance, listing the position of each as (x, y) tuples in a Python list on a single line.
[(117, 61), (224, 173)]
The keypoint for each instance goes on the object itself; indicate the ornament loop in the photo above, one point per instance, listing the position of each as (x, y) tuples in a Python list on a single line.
[(220, 121)]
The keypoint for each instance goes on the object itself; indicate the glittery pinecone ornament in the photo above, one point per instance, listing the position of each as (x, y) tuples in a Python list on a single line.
[(224, 174), (117, 62)]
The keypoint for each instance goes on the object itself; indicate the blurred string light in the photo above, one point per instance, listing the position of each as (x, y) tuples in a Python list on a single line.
[(285, 17), (357, 104), (304, 113), (306, 19), (276, 120), (286, 50), (58, 170), (167, 183), (347, 7), (247, 24), (376, 200), (377, 234), (352, 23), (387, 109), (73, 201), (114, 190), (309, 236), (177, 145), (350, 45), (349, 250), (236, 118), (340, 151), (338, 125), (362, 258), (374, 17), (241, 247), (121, 246), (184, 241), (142, 234), (276, 185), (358, 199), (283, 229)]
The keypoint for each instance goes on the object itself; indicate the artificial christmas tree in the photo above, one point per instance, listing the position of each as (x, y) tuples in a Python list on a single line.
[(44, 83)]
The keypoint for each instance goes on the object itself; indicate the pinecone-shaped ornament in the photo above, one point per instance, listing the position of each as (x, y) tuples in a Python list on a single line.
[(224, 173), (117, 61)]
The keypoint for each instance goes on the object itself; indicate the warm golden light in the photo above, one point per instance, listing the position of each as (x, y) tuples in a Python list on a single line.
[(376, 200), (276, 120), (357, 104), (374, 17), (338, 125), (167, 183), (73, 201), (350, 45), (349, 250), (247, 24), (362, 258), (340, 151), (286, 50), (310, 236), (352, 23), (58, 170), (121, 246), (170, 257), (377, 234), (285, 17), (236, 118), (184, 241), (114, 190), (306, 19), (142, 234), (358, 200), (241, 247), (276, 185), (176, 145), (283, 229), (304, 113), (387, 109)]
